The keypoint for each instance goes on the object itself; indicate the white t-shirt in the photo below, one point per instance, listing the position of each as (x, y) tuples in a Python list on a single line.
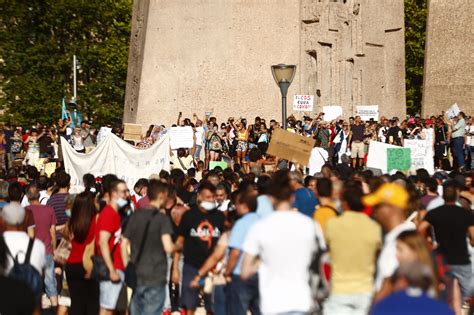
[(388, 263), (17, 243), (199, 135), (318, 158), (285, 242)]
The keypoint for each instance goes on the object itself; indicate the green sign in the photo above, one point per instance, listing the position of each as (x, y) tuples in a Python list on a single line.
[(398, 159), (214, 164)]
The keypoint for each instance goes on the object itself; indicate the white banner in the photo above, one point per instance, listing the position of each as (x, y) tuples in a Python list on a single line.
[(421, 154), (377, 157), (367, 112), (331, 112), (181, 137), (303, 103), (115, 156)]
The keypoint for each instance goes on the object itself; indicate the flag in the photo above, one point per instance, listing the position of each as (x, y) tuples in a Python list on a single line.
[(63, 110)]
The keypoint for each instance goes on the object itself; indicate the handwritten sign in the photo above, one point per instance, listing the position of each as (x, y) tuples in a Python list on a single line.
[(181, 137), (453, 111), (303, 103), (368, 112), (398, 159), (421, 154), (331, 112)]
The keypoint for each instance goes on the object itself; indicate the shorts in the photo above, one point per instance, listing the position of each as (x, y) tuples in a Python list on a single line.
[(189, 296), (358, 150), (242, 146), (110, 292), (50, 277)]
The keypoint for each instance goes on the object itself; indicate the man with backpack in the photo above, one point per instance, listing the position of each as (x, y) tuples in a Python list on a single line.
[(26, 256)]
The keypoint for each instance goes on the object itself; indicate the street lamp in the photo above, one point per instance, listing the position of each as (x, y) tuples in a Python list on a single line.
[(283, 75)]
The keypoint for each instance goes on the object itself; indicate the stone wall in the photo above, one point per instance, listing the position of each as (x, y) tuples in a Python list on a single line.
[(215, 55), (449, 56)]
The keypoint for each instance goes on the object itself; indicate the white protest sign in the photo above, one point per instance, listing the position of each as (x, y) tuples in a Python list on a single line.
[(332, 112), (115, 156), (367, 112), (181, 137), (303, 103), (377, 157), (421, 154), (453, 111)]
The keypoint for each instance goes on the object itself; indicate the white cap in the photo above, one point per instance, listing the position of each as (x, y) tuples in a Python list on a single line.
[(13, 214)]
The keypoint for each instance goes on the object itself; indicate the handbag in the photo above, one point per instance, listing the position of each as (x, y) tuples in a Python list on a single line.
[(100, 272), (131, 278), (62, 252)]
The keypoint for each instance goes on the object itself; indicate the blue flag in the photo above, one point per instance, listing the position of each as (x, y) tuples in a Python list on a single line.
[(63, 110)]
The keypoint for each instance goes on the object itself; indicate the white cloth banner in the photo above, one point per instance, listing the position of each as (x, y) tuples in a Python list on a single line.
[(103, 133), (331, 112), (181, 137), (421, 154), (115, 156), (377, 157), (367, 112)]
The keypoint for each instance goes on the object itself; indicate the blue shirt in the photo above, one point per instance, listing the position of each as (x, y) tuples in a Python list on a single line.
[(238, 234), (305, 201), (410, 302), (264, 206)]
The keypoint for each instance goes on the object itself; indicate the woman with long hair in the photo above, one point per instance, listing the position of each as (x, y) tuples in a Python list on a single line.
[(84, 291)]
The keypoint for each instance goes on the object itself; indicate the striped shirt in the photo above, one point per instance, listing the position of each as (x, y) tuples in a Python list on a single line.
[(58, 203)]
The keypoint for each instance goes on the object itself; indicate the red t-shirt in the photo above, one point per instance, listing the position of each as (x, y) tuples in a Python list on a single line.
[(44, 218), (109, 220), (143, 203), (77, 249)]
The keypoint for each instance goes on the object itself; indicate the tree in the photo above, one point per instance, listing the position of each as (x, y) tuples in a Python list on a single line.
[(39, 38), (415, 36)]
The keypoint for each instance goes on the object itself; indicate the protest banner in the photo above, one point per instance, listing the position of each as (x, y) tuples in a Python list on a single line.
[(453, 111), (222, 164), (132, 132), (398, 159), (181, 137), (377, 157), (368, 112), (290, 146), (421, 154), (115, 156), (331, 112), (303, 103), (103, 133)]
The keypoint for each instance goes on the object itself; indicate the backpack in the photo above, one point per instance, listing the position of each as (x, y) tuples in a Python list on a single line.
[(319, 271), (26, 273)]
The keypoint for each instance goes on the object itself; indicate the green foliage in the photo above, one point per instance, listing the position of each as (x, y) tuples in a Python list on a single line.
[(38, 39), (415, 36)]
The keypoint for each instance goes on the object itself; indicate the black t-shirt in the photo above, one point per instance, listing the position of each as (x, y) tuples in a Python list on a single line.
[(152, 267), (394, 135), (15, 298), (451, 225), (358, 132), (201, 232), (45, 144), (440, 134)]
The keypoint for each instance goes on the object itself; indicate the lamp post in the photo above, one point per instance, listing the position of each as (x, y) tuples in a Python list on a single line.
[(283, 75)]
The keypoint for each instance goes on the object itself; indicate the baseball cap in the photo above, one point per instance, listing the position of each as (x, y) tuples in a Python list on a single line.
[(390, 193), (13, 214)]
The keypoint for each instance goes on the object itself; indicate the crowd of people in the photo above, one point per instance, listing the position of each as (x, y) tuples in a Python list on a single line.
[(261, 235)]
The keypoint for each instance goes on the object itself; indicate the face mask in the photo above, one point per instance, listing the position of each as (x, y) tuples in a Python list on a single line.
[(338, 205), (68, 212), (208, 205), (121, 202)]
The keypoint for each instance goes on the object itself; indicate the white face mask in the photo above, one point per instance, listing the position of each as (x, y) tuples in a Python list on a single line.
[(121, 202), (208, 205), (68, 212)]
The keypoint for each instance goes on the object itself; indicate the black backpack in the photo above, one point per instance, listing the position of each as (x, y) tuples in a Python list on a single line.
[(26, 273)]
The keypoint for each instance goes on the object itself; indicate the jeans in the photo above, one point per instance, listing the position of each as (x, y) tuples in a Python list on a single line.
[(148, 300), (50, 277), (463, 274), (458, 143), (471, 149), (243, 296), (197, 153), (219, 300), (347, 304)]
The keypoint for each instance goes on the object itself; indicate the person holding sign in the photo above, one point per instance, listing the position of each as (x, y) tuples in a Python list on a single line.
[(457, 139)]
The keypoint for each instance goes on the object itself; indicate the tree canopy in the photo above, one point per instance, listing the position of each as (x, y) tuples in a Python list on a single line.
[(38, 40)]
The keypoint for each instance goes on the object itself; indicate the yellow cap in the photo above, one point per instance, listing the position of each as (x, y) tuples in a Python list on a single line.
[(392, 194)]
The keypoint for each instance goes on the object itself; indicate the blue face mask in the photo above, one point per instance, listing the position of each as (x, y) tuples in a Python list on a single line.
[(121, 202), (68, 212)]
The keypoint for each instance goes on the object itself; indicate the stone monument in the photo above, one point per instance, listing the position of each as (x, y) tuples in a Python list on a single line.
[(449, 56), (215, 56)]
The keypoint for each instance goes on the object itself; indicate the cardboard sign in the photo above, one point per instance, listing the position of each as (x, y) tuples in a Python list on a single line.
[(368, 112), (331, 112), (50, 168), (303, 103), (290, 146), (398, 159), (39, 163), (132, 132), (181, 137), (453, 111), (222, 164)]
